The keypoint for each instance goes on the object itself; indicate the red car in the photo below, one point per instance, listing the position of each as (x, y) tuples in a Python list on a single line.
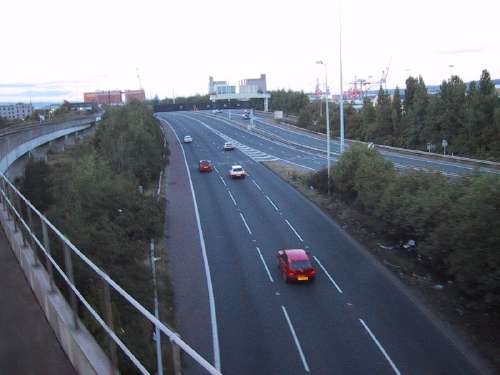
[(295, 265), (205, 166)]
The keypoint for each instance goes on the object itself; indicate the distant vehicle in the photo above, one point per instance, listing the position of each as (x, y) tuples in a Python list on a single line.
[(188, 139), (237, 171), (228, 146), (214, 111), (205, 166), (246, 116), (218, 111), (295, 265)]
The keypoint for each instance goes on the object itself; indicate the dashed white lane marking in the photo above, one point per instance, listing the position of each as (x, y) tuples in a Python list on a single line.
[(381, 348), (216, 169), (232, 198), (224, 182), (294, 231), (265, 265), (249, 151), (295, 338), (256, 184), (328, 275), (272, 203), (245, 222)]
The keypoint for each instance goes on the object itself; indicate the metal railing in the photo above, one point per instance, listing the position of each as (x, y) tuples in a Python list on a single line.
[(28, 220)]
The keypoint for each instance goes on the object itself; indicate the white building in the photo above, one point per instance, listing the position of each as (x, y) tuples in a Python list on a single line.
[(15, 111)]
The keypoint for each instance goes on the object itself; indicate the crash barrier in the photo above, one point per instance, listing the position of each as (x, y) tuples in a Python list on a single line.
[(35, 233), (292, 120)]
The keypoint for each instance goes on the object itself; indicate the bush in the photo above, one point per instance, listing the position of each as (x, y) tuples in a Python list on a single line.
[(455, 223)]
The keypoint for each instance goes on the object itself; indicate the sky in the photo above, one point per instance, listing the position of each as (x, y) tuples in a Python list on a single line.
[(54, 50)]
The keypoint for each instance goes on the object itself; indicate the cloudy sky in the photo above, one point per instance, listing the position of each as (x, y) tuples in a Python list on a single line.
[(54, 49)]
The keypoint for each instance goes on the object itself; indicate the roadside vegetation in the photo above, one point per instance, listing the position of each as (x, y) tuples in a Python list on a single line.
[(101, 195), (436, 234), (466, 115)]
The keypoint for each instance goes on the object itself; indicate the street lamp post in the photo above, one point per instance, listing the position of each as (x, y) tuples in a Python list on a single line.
[(341, 101), (320, 62)]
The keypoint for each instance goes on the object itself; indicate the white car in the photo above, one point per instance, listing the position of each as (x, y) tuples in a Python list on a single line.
[(246, 116), (228, 146), (237, 171), (188, 139)]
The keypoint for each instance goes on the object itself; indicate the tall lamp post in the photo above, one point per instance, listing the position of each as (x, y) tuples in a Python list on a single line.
[(320, 62), (341, 101)]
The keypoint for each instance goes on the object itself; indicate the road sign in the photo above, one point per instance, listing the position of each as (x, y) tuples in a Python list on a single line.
[(444, 143)]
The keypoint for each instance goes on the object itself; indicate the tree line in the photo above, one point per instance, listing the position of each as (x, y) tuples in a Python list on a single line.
[(100, 195), (467, 116), (454, 222)]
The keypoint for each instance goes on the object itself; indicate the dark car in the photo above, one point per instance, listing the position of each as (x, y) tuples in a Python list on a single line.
[(295, 265)]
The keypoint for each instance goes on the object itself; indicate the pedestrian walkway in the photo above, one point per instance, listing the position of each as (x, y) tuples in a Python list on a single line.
[(28, 345)]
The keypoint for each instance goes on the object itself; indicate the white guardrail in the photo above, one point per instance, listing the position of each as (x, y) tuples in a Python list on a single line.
[(28, 221), (433, 155)]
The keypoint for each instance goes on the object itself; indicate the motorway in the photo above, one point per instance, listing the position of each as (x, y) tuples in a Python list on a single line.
[(313, 141), (356, 318)]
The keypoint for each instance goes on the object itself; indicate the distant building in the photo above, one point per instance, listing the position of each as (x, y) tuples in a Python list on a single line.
[(110, 97), (16, 111), (253, 85), (225, 89), (80, 107), (131, 95), (212, 85)]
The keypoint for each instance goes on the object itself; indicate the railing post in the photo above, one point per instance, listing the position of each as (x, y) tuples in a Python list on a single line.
[(7, 199), (176, 358), (17, 206), (69, 272), (108, 313), (46, 245), (31, 234)]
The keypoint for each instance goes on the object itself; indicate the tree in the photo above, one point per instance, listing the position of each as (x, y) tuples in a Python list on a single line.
[(37, 184), (396, 115)]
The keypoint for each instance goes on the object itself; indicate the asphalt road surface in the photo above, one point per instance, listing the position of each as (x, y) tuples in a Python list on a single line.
[(315, 141), (356, 318)]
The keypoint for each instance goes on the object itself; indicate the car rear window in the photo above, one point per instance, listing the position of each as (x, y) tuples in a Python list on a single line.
[(300, 264), (237, 169)]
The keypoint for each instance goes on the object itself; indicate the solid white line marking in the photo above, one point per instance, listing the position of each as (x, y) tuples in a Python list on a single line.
[(328, 275), (211, 299), (294, 231), (298, 165), (297, 343), (245, 222), (232, 198), (272, 203), (256, 184), (265, 265), (396, 370), (224, 182)]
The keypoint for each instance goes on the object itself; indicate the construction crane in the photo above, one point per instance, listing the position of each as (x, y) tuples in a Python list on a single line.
[(139, 78), (385, 73)]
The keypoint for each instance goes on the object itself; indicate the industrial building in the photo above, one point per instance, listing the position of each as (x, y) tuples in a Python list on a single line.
[(16, 111), (253, 85), (114, 97), (131, 95)]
